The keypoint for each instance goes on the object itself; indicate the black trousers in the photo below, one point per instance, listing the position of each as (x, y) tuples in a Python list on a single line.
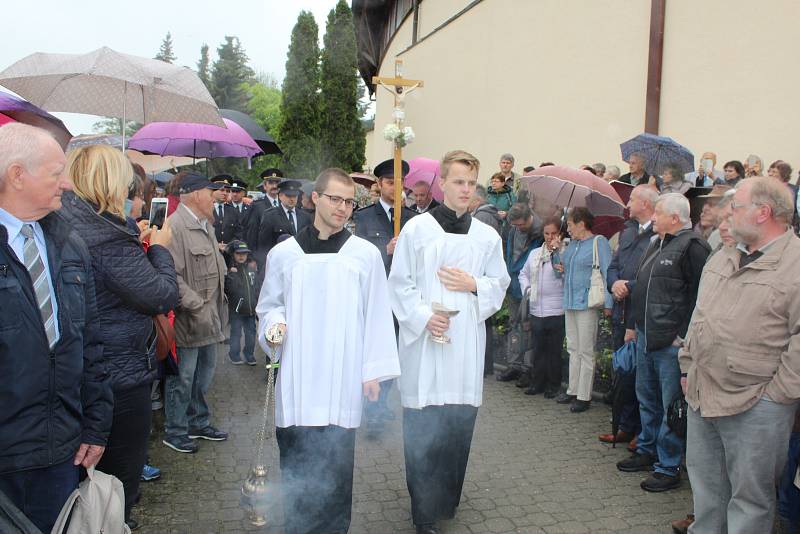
[(436, 442), (126, 451), (548, 341), (316, 477), (488, 361)]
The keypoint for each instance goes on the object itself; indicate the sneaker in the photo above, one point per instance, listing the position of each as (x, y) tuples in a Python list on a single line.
[(508, 375), (249, 360), (150, 472), (180, 444), (579, 406), (658, 482), (565, 399), (210, 433), (636, 462), (235, 360)]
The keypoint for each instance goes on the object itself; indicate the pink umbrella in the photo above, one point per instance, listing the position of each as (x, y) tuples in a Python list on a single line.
[(424, 170), (194, 140), (5, 119)]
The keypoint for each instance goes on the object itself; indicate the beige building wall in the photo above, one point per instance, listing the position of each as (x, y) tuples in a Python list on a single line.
[(565, 80)]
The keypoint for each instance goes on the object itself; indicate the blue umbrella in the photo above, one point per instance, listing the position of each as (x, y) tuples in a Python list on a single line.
[(658, 151), (162, 178)]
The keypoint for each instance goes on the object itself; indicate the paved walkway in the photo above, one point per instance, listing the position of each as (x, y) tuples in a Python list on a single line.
[(535, 467)]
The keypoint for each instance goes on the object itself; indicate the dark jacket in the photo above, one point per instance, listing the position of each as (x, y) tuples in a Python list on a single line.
[(274, 224), (665, 293), (131, 286), (51, 401), (632, 246), (626, 179), (252, 221), (487, 213), (240, 287), (432, 205), (374, 225), (226, 228), (514, 264)]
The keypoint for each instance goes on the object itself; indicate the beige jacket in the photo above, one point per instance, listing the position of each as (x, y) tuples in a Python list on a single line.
[(202, 315), (744, 338)]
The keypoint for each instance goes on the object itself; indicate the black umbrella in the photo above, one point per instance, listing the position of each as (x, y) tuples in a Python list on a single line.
[(264, 141)]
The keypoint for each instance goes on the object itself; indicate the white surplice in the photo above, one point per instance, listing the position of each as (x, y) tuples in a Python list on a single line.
[(339, 334), (432, 373)]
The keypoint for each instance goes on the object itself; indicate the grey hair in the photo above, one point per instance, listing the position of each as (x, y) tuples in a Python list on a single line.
[(614, 170), (676, 204), (426, 183), (519, 211), (648, 193), (638, 155), (599, 168), (21, 144), (480, 192), (775, 194), (507, 157)]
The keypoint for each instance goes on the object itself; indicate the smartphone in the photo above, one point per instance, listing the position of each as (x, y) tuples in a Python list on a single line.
[(708, 165), (158, 212)]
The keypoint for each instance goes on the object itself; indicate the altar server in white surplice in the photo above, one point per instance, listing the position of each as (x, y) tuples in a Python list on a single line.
[(327, 289), (444, 256)]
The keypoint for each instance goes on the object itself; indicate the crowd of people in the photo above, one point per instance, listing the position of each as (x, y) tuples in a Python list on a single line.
[(699, 290)]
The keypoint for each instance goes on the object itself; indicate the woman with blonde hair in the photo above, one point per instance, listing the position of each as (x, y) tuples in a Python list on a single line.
[(131, 287)]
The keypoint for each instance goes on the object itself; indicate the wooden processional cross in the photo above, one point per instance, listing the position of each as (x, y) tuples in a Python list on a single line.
[(399, 87)]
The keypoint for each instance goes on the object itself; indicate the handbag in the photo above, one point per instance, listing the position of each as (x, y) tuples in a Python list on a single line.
[(597, 288), (165, 336), (676, 416), (98, 505)]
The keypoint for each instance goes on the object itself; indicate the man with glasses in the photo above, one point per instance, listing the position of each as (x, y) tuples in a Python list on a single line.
[(334, 282), (740, 364)]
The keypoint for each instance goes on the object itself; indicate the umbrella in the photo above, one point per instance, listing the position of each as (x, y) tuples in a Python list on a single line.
[(19, 110), (5, 119), (152, 163), (106, 82), (566, 187), (194, 140), (424, 170), (95, 139), (161, 178), (364, 179), (658, 151), (264, 141)]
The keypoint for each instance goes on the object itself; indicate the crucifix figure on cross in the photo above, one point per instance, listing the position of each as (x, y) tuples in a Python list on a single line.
[(400, 88)]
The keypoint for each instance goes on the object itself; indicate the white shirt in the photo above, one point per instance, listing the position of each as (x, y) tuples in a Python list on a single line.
[(386, 207), (339, 331), (435, 374), (272, 201), (201, 222), (17, 241)]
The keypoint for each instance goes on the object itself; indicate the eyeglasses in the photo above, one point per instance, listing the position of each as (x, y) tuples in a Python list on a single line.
[(349, 203), (735, 205)]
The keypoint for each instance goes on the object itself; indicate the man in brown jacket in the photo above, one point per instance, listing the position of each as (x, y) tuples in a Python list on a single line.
[(200, 319), (741, 364)]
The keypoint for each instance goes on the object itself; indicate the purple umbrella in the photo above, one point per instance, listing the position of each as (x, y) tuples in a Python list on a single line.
[(23, 111), (194, 140)]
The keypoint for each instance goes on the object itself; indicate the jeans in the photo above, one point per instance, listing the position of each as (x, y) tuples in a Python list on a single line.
[(186, 407), (126, 451), (41, 493), (581, 327), (239, 323), (658, 383), (734, 463), (548, 342), (629, 413)]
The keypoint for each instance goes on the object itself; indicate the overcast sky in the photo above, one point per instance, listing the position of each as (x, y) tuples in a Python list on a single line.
[(263, 26)]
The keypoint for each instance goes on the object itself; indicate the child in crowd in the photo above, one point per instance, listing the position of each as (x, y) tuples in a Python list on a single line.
[(241, 290)]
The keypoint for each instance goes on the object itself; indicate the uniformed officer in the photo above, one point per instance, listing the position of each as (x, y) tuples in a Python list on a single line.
[(272, 177), (241, 209), (286, 220), (375, 222), (225, 218)]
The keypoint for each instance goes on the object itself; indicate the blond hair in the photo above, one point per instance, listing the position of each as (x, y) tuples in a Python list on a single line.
[(101, 175), (458, 156)]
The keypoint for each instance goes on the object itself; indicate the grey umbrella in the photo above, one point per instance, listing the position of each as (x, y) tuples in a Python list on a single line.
[(108, 83)]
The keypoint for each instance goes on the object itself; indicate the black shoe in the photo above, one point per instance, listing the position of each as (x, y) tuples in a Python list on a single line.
[(508, 375), (636, 462), (550, 393), (579, 406), (250, 360), (210, 433), (658, 482), (430, 528), (523, 381), (180, 444), (235, 360), (565, 399), (534, 390), (132, 524)]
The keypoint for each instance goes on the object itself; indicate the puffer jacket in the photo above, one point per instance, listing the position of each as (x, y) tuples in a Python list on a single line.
[(131, 286)]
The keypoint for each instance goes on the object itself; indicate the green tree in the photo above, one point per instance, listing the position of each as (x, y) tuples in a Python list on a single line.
[(114, 127), (165, 53), (342, 136), (230, 70), (203, 67), (298, 134)]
